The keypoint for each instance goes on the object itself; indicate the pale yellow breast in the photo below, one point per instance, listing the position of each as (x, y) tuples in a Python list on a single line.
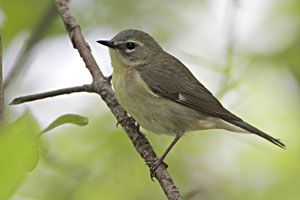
[(127, 83), (137, 99)]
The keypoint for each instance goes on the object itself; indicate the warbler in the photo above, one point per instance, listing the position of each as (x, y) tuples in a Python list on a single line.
[(162, 95)]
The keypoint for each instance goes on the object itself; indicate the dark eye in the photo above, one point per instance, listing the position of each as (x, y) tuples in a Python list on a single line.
[(130, 45)]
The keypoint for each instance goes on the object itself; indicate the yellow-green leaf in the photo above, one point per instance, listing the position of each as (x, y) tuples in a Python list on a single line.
[(67, 119), (19, 152)]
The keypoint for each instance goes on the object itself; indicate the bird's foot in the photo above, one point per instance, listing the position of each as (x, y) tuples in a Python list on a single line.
[(154, 167), (127, 118)]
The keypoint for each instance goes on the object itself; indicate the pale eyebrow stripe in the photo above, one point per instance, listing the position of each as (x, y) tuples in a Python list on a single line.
[(137, 42)]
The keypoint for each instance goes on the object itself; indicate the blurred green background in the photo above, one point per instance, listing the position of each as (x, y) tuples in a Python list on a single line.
[(245, 52)]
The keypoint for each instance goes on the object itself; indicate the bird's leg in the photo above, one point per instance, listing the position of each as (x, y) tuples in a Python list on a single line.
[(128, 118), (161, 159)]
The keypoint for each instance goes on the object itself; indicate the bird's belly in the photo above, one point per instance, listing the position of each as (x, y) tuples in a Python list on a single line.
[(154, 113), (151, 115), (144, 106)]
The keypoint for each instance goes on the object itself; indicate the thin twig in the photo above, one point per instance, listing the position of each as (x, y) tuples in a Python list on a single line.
[(34, 97), (1, 83), (36, 35), (103, 88)]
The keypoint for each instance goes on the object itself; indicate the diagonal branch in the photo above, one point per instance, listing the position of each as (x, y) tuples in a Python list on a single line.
[(38, 96), (103, 88)]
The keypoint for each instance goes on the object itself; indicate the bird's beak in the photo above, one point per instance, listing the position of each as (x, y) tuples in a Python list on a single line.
[(107, 43)]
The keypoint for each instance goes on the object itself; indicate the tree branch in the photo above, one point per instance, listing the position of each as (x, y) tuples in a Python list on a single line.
[(34, 97), (103, 88)]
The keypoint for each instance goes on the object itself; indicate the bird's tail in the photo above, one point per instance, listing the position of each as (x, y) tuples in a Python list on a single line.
[(252, 129)]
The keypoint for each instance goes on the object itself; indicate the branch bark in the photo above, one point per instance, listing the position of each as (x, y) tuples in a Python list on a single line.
[(102, 86), (38, 96)]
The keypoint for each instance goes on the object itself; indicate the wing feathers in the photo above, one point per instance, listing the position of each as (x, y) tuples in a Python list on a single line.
[(169, 78)]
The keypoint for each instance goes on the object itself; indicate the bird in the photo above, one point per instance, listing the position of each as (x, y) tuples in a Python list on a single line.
[(161, 93)]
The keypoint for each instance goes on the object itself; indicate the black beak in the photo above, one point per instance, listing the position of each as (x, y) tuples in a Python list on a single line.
[(107, 43)]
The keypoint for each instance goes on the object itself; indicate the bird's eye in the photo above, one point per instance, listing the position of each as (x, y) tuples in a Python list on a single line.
[(130, 45)]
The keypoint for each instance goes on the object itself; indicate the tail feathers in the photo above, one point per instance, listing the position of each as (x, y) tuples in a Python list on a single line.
[(252, 129)]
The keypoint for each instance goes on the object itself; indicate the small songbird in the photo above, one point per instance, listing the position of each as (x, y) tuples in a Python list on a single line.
[(162, 95)]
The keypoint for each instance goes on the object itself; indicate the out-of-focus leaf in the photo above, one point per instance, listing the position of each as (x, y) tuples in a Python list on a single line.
[(19, 152), (67, 119), (20, 16)]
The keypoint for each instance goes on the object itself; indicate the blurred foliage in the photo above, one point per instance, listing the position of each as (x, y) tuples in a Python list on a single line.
[(120, 14), (152, 16), (20, 16), (98, 161), (19, 148), (93, 171), (288, 55), (18, 152)]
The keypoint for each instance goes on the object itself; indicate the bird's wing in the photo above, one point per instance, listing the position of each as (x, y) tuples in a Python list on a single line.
[(169, 78)]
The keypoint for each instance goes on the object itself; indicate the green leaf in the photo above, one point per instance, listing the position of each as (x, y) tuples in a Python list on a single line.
[(67, 119), (19, 152), (20, 18)]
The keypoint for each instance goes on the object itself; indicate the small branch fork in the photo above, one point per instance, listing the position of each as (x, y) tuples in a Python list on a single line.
[(101, 85)]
